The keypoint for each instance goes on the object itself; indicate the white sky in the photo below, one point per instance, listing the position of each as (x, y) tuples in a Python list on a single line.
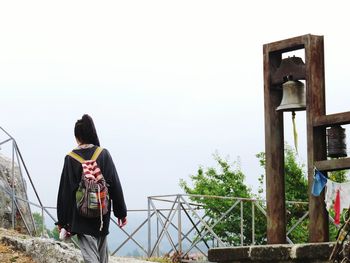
[(168, 83)]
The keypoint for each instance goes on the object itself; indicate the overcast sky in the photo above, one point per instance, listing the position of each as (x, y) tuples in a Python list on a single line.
[(168, 83)]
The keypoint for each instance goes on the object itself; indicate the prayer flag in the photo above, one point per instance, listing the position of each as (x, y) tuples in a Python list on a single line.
[(319, 183)]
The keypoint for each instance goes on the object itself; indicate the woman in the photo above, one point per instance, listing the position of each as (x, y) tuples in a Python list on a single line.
[(92, 237)]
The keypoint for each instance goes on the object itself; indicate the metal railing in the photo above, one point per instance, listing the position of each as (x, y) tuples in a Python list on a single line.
[(201, 227), (178, 224), (175, 224), (11, 185)]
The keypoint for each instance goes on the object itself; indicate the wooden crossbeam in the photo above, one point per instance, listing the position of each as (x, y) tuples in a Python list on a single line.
[(333, 165), (332, 119)]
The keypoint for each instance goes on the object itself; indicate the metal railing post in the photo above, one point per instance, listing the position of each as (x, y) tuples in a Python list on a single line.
[(169, 219), (43, 225), (253, 223), (242, 223), (157, 251), (149, 227), (179, 227), (24, 184), (13, 185)]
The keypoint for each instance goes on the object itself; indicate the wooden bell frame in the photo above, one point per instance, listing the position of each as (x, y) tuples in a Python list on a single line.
[(313, 74)]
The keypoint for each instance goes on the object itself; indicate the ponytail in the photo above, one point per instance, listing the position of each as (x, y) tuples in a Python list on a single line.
[(85, 131)]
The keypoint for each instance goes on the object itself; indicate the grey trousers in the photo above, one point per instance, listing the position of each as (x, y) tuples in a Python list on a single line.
[(93, 249)]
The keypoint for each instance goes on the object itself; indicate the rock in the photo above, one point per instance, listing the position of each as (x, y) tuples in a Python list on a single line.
[(45, 250), (23, 215)]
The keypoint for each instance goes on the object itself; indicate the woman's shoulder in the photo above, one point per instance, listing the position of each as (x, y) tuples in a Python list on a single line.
[(81, 154), (104, 152)]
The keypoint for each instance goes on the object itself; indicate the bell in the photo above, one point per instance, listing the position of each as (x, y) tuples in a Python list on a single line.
[(336, 142), (294, 98)]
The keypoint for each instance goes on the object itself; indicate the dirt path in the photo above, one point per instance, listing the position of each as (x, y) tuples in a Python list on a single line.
[(7, 254)]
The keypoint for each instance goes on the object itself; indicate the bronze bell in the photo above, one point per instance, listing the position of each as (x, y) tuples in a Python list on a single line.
[(336, 142), (294, 98)]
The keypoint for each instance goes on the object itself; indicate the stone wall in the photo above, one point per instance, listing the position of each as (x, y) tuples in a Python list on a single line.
[(306, 253), (23, 214)]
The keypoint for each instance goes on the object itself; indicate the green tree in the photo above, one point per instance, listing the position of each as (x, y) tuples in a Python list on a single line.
[(228, 181), (338, 176), (296, 185), (296, 189), (38, 220)]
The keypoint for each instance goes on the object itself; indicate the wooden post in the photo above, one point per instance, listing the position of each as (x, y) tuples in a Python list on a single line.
[(274, 148), (316, 136)]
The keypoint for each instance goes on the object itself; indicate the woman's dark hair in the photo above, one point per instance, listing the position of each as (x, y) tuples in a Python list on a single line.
[(85, 131)]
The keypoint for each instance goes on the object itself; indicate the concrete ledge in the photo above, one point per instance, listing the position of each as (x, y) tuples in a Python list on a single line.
[(306, 253)]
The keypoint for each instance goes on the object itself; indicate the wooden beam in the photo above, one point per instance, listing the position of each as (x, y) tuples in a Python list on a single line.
[(333, 165), (316, 137), (274, 151), (332, 119), (287, 45)]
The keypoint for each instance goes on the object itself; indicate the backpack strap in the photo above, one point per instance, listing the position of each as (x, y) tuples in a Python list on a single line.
[(96, 153), (76, 157), (82, 160)]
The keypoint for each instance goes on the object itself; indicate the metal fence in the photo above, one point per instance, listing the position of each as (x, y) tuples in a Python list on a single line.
[(175, 224), (180, 224), (200, 232)]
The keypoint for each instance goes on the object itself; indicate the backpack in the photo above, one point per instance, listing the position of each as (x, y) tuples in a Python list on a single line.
[(92, 198)]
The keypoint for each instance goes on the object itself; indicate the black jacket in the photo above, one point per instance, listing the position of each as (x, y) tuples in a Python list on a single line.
[(67, 212)]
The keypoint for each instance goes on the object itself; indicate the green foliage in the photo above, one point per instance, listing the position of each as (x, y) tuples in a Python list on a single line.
[(296, 189), (38, 220), (54, 233), (228, 180), (14, 259), (261, 178), (338, 176), (224, 180), (159, 259), (296, 184)]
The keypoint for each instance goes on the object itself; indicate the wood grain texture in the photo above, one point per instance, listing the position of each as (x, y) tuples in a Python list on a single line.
[(341, 118), (274, 150), (333, 165)]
